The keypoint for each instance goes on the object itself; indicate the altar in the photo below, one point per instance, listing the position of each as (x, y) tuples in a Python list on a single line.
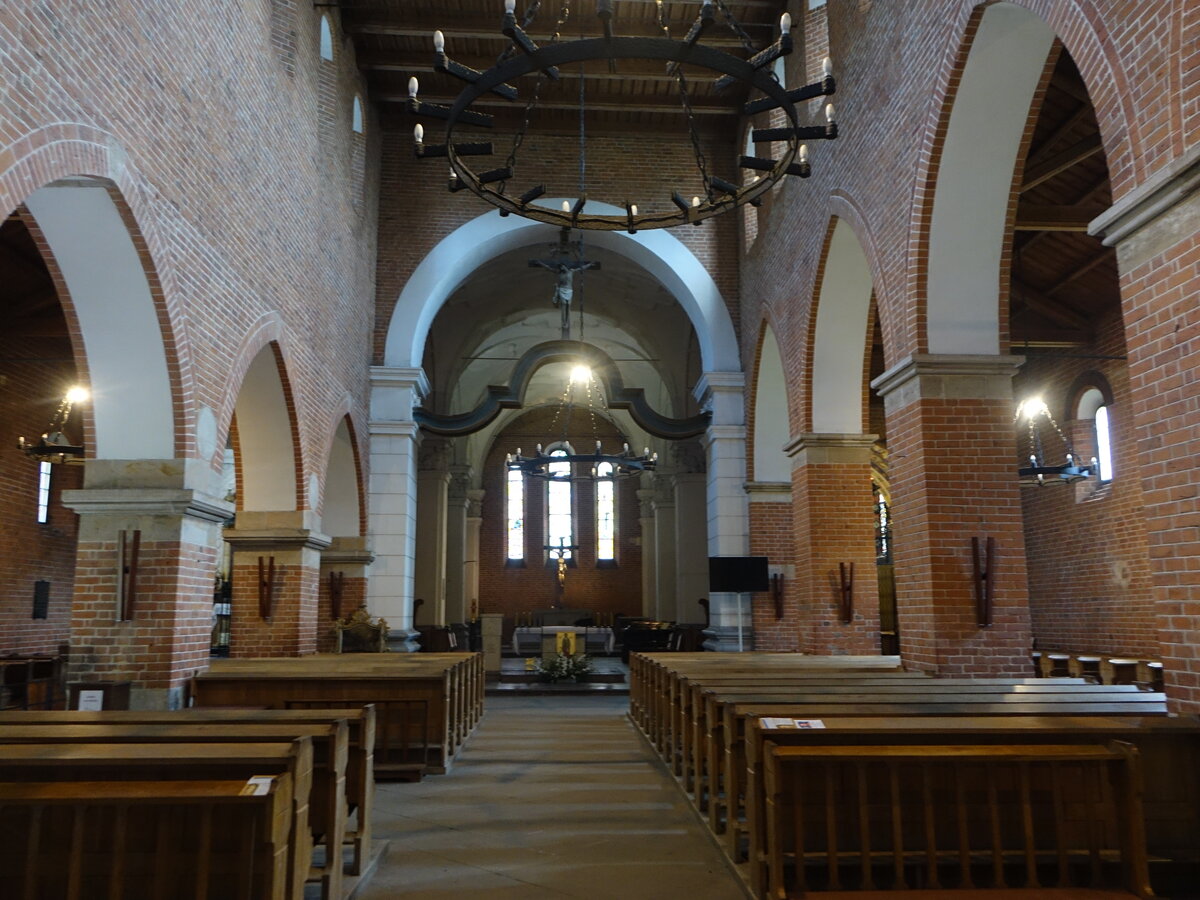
[(595, 638)]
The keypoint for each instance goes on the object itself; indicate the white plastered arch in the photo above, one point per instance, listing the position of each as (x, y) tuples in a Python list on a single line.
[(840, 337), (265, 445), (484, 238), (970, 208), (132, 411), (771, 426), (340, 508)]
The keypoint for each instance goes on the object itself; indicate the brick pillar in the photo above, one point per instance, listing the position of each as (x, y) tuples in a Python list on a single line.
[(722, 395), (289, 626), (772, 534), (1156, 230), (834, 521), (166, 636), (344, 566), (952, 470)]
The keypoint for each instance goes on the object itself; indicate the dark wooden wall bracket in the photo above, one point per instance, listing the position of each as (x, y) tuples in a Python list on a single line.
[(336, 582), (129, 544), (266, 586), (985, 579), (846, 595), (777, 594)]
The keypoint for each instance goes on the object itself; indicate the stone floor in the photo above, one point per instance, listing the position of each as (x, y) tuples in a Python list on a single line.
[(553, 796)]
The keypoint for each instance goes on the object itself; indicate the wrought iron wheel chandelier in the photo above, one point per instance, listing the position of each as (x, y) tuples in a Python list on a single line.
[(54, 446), (525, 57), (1040, 471), (562, 462)]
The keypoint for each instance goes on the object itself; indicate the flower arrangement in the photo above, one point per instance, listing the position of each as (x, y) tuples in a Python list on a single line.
[(562, 667)]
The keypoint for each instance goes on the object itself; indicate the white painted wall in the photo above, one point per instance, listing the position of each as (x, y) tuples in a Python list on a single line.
[(771, 427)]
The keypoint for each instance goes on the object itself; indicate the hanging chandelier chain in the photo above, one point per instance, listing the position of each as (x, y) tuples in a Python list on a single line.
[(736, 27), (693, 133)]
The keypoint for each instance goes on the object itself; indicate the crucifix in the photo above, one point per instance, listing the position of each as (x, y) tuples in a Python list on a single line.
[(561, 550), (565, 264)]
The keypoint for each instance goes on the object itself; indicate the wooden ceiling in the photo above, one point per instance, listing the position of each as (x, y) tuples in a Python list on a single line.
[(31, 317), (393, 40), (1063, 280)]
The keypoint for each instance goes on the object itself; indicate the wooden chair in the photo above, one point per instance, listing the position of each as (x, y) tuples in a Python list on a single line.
[(357, 633)]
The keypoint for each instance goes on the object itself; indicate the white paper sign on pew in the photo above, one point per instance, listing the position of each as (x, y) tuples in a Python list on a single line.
[(773, 723)]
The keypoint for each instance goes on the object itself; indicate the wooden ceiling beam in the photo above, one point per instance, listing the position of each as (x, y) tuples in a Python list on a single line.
[(1081, 270), (395, 29), (1044, 217), (1042, 151), (377, 61), (1061, 161), (1048, 307)]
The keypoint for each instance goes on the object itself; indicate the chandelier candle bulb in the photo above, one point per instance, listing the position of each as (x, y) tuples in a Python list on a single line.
[(413, 86), (419, 133), (510, 6), (785, 23), (439, 42), (566, 207), (829, 113), (827, 67)]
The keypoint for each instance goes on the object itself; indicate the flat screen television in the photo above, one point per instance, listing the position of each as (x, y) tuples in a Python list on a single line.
[(738, 574)]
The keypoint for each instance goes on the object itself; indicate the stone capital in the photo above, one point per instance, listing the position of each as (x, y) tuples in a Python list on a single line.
[(475, 502), (723, 395), (396, 391), (948, 376), (147, 502), (347, 551), (280, 530), (830, 449)]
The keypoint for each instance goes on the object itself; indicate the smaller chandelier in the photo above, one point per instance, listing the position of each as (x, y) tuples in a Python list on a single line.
[(1041, 471), (54, 446), (551, 466)]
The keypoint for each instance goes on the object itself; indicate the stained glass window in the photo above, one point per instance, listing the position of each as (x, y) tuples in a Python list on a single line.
[(516, 514), (606, 513), (560, 525)]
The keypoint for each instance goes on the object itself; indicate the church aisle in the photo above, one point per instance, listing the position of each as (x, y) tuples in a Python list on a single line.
[(552, 797)]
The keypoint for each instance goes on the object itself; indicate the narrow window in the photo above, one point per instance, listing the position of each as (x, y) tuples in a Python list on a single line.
[(515, 499), (606, 514), (560, 525), (43, 501), (326, 39), (356, 116), (1103, 445)]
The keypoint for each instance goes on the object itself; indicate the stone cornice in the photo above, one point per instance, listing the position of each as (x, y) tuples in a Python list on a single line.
[(277, 539), (948, 375), (1148, 202), (147, 502), (830, 448), (769, 491), (401, 377)]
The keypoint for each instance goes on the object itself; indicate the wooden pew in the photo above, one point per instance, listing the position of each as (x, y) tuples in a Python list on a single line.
[(734, 712), (1169, 748), (360, 770), (442, 692), (26, 763), (147, 840), (1026, 816), (326, 804)]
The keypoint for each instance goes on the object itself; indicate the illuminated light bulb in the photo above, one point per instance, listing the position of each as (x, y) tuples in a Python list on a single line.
[(633, 209), (696, 202), (804, 153), (510, 6), (827, 67), (829, 113), (77, 394), (419, 134), (581, 375), (412, 87), (785, 23), (1034, 406), (566, 206), (439, 42)]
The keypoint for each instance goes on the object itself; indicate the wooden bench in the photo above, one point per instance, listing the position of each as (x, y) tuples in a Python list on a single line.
[(446, 688), (326, 804), (360, 770), (1041, 817), (1169, 748), (147, 840), (27, 763)]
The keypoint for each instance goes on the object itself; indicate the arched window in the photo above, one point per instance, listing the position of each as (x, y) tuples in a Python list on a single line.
[(514, 499), (356, 116), (606, 514), (1095, 410), (43, 499), (326, 39), (560, 519)]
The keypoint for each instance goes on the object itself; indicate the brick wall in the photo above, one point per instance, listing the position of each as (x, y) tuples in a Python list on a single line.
[(507, 589)]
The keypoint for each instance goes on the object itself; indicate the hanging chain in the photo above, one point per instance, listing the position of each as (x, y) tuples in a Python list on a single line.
[(564, 14), (736, 27), (662, 19), (701, 159)]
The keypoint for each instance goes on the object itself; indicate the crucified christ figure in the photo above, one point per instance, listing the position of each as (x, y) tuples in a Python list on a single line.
[(565, 267)]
